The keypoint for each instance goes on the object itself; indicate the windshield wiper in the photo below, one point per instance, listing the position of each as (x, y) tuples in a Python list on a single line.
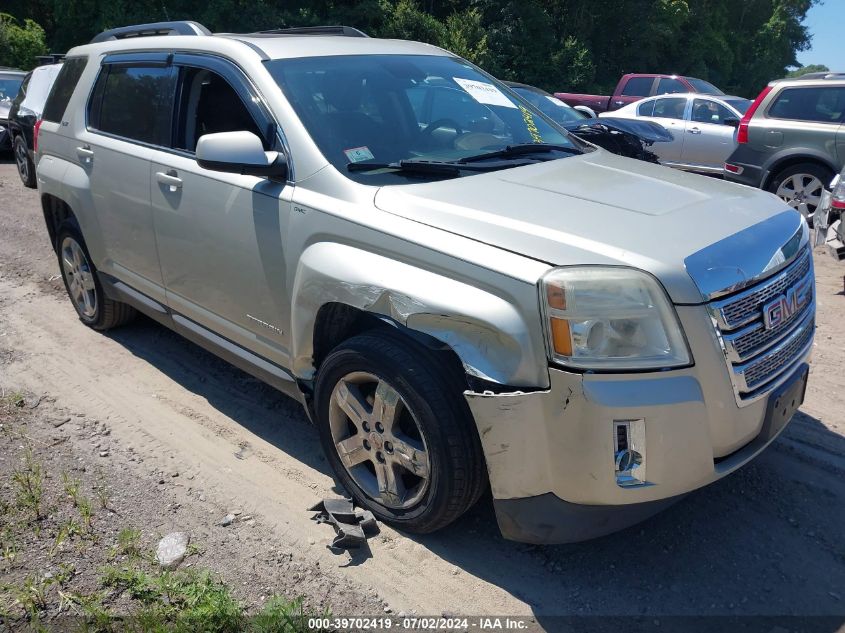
[(522, 149), (433, 167)]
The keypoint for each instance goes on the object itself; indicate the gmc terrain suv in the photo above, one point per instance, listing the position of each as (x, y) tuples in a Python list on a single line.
[(460, 293), (792, 139)]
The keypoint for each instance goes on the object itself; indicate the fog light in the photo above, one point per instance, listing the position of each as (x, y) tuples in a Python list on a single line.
[(629, 456)]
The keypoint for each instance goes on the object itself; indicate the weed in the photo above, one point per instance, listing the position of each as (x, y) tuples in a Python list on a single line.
[(86, 511), (280, 615), (8, 545), (102, 492), (71, 487), (128, 544), (29, 483), (67, 530)]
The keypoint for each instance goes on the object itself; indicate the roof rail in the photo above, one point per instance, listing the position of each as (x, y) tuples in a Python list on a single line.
[(183, 27), (823, 75), (345, 31), (52, 58)]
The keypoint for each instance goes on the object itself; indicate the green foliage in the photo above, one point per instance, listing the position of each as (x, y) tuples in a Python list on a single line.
[(555, 44), (28, 482), (804, 70), (19, 45)]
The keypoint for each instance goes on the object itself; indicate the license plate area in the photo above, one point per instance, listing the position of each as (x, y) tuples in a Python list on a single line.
[(785, 400)]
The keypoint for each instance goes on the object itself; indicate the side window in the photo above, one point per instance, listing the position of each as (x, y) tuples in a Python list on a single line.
[(668, 86), (134, 102), (821, 104), (646, 108), (638, 87), (672, 108), (208, 105), (63, 88), (707, 111)]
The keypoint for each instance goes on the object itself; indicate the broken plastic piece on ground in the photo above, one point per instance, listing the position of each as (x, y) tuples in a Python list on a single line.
[(352, 525)]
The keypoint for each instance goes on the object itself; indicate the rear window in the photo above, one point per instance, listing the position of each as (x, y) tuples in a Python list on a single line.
[(63, 89), (704, 87), (134, 102), (638, 87), (822, 104)]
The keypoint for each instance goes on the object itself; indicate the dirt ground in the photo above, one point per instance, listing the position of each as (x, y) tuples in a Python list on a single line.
[(191, 438)]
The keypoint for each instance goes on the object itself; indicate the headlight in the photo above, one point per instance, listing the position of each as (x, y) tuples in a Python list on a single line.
[(610, 319)]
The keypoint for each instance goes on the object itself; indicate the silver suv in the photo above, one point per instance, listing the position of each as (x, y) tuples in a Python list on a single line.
[(791, 140), (460, 293)]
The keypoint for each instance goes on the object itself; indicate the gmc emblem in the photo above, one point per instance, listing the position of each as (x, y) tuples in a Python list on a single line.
[(784, 307)]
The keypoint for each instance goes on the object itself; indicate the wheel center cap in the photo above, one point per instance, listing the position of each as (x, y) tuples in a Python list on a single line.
[(376, 440)]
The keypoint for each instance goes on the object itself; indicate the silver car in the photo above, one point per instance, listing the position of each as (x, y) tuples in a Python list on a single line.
[(460, 293), (704, 127)]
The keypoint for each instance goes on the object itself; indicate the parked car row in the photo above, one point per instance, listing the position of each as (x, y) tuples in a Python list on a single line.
[(10, 83), (463, 295)]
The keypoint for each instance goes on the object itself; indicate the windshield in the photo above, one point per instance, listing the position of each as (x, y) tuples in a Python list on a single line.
[(389, 108), (704, 87), (740, 105), (551, 106), (9, 87)]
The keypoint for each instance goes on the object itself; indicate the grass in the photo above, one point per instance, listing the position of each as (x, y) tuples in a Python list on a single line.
[(29, 484)]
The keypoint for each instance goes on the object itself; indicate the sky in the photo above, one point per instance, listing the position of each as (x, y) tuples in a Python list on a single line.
[(825, 22)]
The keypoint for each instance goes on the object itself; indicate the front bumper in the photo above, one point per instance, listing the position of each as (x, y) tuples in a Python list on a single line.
[(550, 454)]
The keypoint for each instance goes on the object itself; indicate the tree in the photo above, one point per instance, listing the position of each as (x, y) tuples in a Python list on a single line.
[(803, 70), (20, 45)]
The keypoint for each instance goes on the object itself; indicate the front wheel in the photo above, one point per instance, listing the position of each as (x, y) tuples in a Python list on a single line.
[(397, 432)]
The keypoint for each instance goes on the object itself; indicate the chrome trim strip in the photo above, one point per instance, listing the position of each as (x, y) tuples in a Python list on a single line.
[(143, 299), (230, 347), (751, 255)]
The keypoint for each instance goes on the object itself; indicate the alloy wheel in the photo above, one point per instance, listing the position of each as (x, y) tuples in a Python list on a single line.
[(378, 440), (802, 192), (79, 278), (22, 161)]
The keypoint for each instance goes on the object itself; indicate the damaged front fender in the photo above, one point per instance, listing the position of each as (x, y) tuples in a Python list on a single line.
[(492, 338)]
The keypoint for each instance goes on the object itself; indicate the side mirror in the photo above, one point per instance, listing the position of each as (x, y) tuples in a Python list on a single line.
[(733, 122), (239, 153)]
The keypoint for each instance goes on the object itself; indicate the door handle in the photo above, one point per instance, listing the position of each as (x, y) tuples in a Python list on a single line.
[(170, 179), (694, 130), (85, 154)]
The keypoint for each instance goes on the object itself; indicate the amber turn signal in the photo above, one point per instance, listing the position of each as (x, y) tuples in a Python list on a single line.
[(561, 336)]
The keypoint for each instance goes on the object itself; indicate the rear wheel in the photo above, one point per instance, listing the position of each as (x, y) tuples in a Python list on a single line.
[(801, 186), (83, 287), (397, 432), (26, 168)]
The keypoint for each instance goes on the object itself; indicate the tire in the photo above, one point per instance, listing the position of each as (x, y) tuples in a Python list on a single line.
[(26, 168), (83, 285), (382, 366), (801, 186)]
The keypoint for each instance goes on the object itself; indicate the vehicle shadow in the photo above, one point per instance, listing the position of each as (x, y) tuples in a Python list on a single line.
[(765, 541)]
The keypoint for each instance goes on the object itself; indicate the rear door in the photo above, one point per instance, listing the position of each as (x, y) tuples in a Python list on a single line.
[(670, 112), (709, 140), (221, 235), (808, 118), (129, 115)]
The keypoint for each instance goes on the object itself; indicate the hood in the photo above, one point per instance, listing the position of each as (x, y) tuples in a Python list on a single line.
[(647, 131), (597, 208)]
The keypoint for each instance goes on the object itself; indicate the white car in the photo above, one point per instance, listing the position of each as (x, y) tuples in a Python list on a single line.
[(704, 128)]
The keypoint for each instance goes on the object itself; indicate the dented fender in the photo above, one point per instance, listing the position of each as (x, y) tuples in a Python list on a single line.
[(492, 338)]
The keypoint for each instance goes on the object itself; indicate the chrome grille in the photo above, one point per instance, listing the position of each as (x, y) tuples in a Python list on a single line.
[(758, 356), (745, 307)]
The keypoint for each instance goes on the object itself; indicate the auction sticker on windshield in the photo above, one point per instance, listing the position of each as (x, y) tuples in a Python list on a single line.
[(358, 154), (484, 92)]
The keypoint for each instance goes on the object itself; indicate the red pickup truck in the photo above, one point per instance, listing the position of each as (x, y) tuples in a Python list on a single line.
[(636, 86)]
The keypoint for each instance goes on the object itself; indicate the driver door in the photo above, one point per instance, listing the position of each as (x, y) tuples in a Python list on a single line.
[(221, 236)]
